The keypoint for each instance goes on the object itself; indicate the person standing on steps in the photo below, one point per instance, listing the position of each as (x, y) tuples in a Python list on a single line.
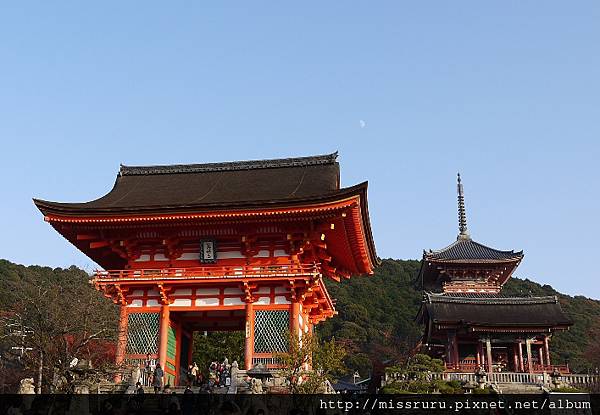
[(189, 375), (149, 366), (157, 379), (194, 372)]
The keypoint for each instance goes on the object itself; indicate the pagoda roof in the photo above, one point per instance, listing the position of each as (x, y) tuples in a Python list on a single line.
[(467, 250), (466, 259), (466, 254), (493, 311), (229, 185)]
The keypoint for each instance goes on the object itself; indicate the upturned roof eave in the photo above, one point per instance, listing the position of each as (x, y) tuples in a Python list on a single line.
[(358, 191)]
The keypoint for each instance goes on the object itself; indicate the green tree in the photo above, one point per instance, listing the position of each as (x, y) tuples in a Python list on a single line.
[(216, 346), (415, 376), (309, 364)]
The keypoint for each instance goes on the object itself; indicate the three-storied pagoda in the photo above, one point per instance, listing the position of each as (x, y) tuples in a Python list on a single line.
[(469, 323), (221, 246)]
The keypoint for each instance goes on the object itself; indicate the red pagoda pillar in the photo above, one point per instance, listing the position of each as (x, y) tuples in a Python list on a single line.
[(480, 353), (529, 360), (520, 351), (452, 350), (249, 345), (516, 356), (547, 351), (488, 346), (164, 335)]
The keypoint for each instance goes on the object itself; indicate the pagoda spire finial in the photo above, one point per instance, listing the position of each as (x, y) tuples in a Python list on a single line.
[(462, 214)]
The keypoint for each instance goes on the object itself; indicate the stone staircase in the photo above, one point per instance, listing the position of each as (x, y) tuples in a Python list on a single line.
[(519, 388)]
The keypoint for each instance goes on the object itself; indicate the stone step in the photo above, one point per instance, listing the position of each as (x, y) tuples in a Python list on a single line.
[(516, 388)]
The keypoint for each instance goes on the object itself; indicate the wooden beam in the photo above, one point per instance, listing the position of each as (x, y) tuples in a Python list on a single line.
[(99, 244), (86, 237)]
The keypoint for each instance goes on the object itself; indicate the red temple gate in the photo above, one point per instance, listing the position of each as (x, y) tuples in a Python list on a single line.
[(221, 246)]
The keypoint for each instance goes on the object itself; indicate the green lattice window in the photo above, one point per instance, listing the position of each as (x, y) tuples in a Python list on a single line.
[(172, 344), (142, 333), (271, 328)]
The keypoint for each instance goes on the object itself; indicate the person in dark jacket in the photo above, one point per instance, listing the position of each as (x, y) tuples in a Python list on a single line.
[(157, 380)]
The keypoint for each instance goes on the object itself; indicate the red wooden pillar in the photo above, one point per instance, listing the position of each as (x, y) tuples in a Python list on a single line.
[(480, 353), (452, 350), (449, 363), (516, 364), (547, 351), (164, 335), (456, 356), (520, 350), (529, 360), (295, 324), (488, 346), (121, 339), (249, 345)]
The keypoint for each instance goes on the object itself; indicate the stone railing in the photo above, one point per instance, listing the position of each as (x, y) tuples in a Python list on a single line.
[(269, 362), (583, 381)]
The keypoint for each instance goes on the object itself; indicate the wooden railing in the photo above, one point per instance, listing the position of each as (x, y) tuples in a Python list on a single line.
[(562, 369), (209, 272)]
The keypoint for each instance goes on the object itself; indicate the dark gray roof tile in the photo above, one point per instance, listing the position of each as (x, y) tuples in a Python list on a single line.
[(495, 311), (466, 249)]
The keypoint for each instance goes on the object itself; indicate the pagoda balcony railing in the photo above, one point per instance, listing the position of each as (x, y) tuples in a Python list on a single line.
[(210, 272)]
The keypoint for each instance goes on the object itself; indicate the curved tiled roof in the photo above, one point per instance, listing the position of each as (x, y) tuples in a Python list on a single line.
[(465, 249), (213, 185), (464, 298), (495, 311)]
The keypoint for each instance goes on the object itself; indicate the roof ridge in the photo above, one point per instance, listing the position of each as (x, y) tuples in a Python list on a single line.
[(229, 165)]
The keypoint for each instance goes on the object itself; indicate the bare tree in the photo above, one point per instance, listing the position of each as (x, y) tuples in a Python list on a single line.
[(70, 326)]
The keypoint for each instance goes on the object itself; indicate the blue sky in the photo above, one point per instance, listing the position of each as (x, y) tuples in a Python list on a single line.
[(507, 92)]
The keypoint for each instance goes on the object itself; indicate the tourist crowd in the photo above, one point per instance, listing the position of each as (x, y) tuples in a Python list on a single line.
[(219, 375)]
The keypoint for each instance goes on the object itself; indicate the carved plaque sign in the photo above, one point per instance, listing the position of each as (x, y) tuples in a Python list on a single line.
[(208, 251)]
